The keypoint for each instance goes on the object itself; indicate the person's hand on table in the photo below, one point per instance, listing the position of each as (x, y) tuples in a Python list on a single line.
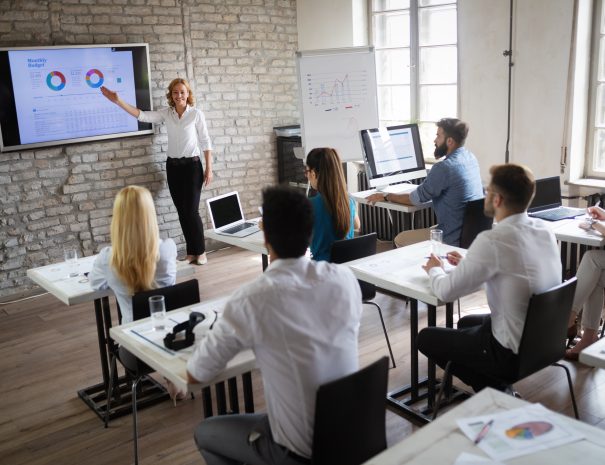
[(453, 257), (592, 225), (377, 197), (596, 212), (432, 262)]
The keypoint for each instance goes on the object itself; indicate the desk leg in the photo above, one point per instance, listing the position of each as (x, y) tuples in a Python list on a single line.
[(402, 399), (432, 321), (151, 392), (102, 341), (414, 349)]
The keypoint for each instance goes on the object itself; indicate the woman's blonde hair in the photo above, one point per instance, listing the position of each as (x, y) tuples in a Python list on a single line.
[(135, 239), (174, 82), (332, 186)]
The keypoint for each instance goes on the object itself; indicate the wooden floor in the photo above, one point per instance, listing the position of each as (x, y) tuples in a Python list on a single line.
[(48, 351)]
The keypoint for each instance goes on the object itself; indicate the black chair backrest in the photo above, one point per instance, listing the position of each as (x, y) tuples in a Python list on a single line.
[(545, 333), (350, 417), (351, 249), (474, 222), (176, 296)]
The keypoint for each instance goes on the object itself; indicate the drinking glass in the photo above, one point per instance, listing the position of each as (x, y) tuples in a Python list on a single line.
[(436, 236), (157, 309), (71, 259)]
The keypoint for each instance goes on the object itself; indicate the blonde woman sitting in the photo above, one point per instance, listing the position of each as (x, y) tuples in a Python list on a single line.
[(138, 260)]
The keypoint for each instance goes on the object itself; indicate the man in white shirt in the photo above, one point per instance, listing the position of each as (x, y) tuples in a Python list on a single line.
[(517, 258), (301, 319)]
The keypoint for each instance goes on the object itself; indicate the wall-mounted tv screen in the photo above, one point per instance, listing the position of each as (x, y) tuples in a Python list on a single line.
[(51, 95)]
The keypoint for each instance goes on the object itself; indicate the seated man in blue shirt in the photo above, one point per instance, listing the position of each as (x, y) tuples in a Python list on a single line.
[(450, 184), (301, 319)]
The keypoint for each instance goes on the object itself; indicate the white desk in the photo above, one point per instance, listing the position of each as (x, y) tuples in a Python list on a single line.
[(362, 196), (572, 237), (441, 441), (569, 231), (173, 365), (254, 242), (400, 271), (594, 354), (71, 291)]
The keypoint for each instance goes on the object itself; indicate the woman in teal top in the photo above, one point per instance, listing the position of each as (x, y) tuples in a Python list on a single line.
[(333, 209)]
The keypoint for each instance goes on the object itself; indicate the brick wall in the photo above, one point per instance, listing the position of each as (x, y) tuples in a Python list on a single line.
[(238, 56)]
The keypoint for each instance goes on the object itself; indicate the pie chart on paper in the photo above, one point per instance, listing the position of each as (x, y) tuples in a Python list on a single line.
[(529, 430)]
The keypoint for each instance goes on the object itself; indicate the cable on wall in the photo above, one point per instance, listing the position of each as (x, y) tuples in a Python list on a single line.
[(509, 53)]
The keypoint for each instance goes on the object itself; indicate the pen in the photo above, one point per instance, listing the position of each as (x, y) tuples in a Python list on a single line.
[(439, 256), (483, 431)]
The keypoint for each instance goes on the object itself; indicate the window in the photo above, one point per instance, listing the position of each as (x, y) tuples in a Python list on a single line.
[(416, 63), (595, 166)]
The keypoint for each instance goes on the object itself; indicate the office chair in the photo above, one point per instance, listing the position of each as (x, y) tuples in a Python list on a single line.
[(347, 250), (350, 417), (543, 340), (473, 223), (176, 296)]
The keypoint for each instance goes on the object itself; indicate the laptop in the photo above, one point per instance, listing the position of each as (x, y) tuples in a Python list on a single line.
[(546, 204), (227, 216)]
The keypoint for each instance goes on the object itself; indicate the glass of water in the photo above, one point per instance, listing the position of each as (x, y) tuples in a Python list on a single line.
[(436, 236), (71, 259), (157, 309)]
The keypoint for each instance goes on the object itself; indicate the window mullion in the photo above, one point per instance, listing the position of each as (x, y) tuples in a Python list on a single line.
[(414, 62)]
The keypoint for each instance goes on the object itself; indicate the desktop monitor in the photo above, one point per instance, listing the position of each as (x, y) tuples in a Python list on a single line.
[(392, 155)]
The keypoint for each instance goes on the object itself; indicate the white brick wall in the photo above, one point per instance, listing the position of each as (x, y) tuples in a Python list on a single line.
[(239, 57)]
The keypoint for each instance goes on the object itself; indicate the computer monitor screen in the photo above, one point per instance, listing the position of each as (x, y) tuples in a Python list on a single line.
[(392, 154)]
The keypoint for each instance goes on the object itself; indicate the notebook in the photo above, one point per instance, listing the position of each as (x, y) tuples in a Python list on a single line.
[(546, 204), (227, 216)]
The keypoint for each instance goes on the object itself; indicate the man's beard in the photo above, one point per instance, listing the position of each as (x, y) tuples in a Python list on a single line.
[(440, 150)]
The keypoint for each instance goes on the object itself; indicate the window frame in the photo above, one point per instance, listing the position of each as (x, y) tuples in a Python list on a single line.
[(414, 11)]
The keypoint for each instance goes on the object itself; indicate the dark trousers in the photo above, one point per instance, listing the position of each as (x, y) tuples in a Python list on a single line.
[(478, 359), (185, 178), (241, 439)]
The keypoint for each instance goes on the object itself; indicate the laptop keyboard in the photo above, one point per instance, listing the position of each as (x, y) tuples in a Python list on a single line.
[(238, 228), (559, 213)]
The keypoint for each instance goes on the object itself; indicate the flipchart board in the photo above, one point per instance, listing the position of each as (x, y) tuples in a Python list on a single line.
[(338, 98)]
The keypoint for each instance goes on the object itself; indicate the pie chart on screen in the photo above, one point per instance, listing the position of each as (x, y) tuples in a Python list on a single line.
[(94, 78), (529, 430), (55, 80)]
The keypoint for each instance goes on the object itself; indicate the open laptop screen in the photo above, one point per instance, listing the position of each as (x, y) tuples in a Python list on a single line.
[(548, 194), (225, 210)]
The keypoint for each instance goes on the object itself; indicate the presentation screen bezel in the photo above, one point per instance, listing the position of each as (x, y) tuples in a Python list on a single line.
[(10, 139)]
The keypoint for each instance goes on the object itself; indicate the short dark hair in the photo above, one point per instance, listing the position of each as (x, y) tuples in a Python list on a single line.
[(515, 183), (454, 128), (287, 221)]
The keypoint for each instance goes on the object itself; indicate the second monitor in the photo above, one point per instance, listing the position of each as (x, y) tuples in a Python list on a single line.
[(392, 154)]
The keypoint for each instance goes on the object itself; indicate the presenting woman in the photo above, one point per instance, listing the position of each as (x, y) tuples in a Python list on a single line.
[(137, 259), (333, 209), (187, 138)]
